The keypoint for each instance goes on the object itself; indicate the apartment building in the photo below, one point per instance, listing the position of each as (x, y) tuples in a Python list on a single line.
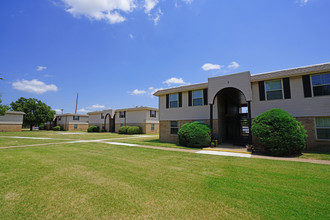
[(72, 122), (11, 121), (112, 119), (229, 103)]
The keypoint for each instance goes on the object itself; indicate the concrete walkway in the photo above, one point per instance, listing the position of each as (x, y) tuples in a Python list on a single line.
[(206, 151)]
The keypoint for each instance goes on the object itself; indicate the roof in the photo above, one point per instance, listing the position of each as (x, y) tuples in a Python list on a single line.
[(291, 72), (15, 113), (100, 112), (137, 108), (181, 89), (71, 114)]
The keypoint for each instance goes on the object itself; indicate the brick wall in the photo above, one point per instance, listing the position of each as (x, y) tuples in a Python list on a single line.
[(10, 128)]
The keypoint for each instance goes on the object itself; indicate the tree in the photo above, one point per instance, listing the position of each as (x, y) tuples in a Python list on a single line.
[(36, 112)]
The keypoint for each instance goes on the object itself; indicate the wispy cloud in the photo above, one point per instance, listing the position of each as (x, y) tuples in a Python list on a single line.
[(175, 80), (210, 66), (233, 65), (131, 36), (149, 5), (91, 108), (34, 86), (138, 92), (58, 111), (302, 2), (41, 68)]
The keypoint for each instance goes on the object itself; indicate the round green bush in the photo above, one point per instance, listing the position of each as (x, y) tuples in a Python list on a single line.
[(42, 127), (195, 134), (134, 130), (57, 128), (123, 130), (93, 128), (279, 133)]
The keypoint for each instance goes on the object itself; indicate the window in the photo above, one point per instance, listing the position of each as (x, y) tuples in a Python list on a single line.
[(102, 116), (75, 126), (121, 125), (274, 89), (76, 118), (323, 128), (197, 97), (59, 118), (122, 114), (152, 127), (174, 100), (152, 114), (174, 127), (321, 84)]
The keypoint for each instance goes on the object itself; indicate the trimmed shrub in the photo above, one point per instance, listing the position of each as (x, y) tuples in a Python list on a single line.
[(123, 130), (57, 128), (279, 133), (93, 129), (42, 127), (134, 130), (195, 134)]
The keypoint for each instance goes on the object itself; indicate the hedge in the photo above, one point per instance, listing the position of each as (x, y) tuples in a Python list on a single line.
[(195, 134), (130, 130), (93, 129)]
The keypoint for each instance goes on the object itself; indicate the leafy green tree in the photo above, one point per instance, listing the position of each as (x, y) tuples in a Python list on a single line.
[(36, 112)]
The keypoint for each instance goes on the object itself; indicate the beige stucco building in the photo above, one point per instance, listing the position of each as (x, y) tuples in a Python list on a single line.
[(72, 122), (112, 119), (11, 121), (229, 103)]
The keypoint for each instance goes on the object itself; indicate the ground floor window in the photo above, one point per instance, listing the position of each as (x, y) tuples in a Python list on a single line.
[(174, 127), (121, 125), (75, 126), (323, 127), (152, 127)]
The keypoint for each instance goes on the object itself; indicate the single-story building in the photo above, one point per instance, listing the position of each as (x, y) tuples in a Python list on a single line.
[(112, 119), (11, 121), (229, 103), (72, 122)]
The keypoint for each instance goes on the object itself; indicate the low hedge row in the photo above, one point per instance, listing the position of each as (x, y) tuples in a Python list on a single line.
[(130, 130), (93, 129)]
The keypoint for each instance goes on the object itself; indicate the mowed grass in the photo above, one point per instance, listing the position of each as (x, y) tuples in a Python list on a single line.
[(101, 181)]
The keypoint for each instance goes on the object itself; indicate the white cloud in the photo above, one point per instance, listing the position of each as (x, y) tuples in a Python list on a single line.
[(188, 1), (210, 66), (41, 68), (34, 86), (152, 90), (58, 111), (149, 5), (138, 92), (174, 80), (91, 108), (303, 2), (131, 36), (156, 16), (233, 65), (108, 10)]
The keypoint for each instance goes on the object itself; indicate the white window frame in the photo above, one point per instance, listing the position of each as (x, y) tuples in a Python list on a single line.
[(317, 138), (75, 126), (122, 115), (151, 115), (76, 118), (102, 116), (152, 127), (311, 82), (177, 101), (174, 127), (192, 97), (282, 89)]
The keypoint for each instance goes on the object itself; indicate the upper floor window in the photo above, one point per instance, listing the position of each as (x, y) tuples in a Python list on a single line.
[(274, 89), (323, 127), (174, 100), (152, 114), (197, 97), (76, 118), (102, 116), (59, 118), (321, 84), (122, 114)]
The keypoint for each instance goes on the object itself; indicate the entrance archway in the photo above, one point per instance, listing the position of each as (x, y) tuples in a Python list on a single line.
[(110, 126), (233, 116)]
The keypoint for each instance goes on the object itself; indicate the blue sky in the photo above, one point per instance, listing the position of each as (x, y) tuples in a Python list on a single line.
[(115, 53)]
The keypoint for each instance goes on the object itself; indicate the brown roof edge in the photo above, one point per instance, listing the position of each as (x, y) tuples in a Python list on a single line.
[(15, 113), (291, 72), (71, 114), (140, 108), (181, 89)]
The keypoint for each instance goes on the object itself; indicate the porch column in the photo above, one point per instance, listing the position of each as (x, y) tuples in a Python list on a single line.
[(249, 120), (211, 119)]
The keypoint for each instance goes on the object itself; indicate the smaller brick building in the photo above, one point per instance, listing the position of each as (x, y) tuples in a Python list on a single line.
[(11, 121)]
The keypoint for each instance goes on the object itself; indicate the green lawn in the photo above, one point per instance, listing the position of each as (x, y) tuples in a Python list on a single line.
[(97, 180)]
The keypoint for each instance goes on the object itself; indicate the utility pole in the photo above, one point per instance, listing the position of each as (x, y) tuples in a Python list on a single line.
[(76, 104)]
